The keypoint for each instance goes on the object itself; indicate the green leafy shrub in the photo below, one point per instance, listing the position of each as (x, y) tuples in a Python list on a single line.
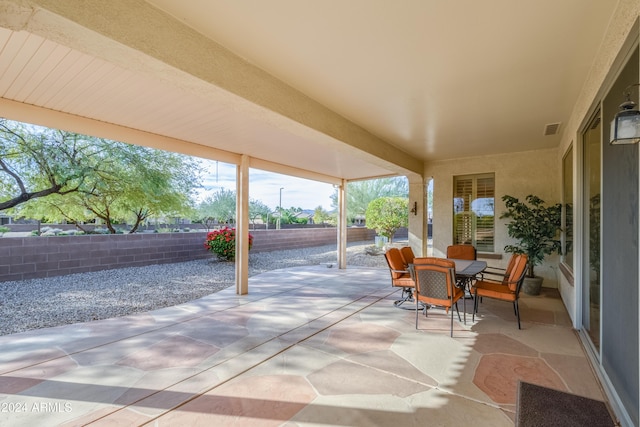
[(71, 233), (387, 214), (223, 243), (50, 231)]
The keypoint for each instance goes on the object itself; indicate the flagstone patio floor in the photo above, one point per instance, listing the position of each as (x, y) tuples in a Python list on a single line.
[(307, 346)]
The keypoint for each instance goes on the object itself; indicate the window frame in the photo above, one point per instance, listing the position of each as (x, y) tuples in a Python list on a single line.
[(567, 235), (473, 196)]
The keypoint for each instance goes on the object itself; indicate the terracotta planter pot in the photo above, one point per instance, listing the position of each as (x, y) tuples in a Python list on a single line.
[(532, 285)]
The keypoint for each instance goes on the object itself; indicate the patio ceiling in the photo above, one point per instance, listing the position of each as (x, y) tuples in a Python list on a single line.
[(341, 89)]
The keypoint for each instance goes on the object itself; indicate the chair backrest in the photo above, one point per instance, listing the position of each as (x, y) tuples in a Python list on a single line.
[(461, 252), (509, 269), (517, 273), (407, 254), (435, 280), (396, 262), (443, 262)]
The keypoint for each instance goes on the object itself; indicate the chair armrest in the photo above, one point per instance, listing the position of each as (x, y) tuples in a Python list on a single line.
[(494, 271), (497, 282)]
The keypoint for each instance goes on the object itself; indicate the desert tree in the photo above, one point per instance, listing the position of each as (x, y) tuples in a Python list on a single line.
[(112, 181), (360, 193), (387, 214), (37, 162)]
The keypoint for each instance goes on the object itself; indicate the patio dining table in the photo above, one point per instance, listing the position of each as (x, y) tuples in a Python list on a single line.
[(466, 271)]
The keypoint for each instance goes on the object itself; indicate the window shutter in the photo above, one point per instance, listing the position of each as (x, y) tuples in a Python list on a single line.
[(485, 223), (463, 220), (473, 211)]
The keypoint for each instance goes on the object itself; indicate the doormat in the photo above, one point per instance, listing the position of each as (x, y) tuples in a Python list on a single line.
[(542, 406)]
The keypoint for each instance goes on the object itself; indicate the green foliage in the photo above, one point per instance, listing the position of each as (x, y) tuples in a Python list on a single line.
[(258, 210), (218, 208), (387, 214), (223, 243), (221, 208), (321, 216), (112, 181), (360, 193), (292, 216), (4, 229), (37, 162), (535, 226)]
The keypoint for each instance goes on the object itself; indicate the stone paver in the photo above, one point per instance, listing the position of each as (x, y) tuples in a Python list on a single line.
[(308, 345)]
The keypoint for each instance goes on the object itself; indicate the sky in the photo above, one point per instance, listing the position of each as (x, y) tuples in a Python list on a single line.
[(265, 187)]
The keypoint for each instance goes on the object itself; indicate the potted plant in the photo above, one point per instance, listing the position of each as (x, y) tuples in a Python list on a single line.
[(536, 226)]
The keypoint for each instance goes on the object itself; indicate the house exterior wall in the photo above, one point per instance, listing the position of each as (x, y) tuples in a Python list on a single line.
[(597, 82), (620, 378), (518, 175)]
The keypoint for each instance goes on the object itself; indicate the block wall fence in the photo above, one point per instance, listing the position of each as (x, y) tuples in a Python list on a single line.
[(35, 257)]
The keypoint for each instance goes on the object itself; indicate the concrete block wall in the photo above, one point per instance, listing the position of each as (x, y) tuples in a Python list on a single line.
[(273, 240), (33, 257), (24, 258)]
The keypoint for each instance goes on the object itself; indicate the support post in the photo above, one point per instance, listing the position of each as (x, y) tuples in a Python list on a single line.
[(242, 226), (418, 228), (342, 225)]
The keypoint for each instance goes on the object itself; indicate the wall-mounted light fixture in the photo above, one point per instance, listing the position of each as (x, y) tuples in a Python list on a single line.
[(625, 127), (414, 209)]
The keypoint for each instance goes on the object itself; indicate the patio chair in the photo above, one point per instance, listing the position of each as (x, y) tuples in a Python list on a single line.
[(435, 284), (466, 252), (508, 290), (400, 276), (501, 274), (407, 254), (462, 252)]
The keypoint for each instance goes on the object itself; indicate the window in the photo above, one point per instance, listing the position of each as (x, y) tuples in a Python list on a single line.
[(473, 211), (567, 211)]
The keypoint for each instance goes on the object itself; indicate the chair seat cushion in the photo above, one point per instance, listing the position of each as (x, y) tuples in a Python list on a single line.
[(457, 294), (404, 281), (493, 290)]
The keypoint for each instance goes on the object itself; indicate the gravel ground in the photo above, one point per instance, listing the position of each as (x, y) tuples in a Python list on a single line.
[(43, 303)]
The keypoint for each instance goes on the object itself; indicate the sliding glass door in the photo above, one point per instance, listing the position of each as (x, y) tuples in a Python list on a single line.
[(592, 143)]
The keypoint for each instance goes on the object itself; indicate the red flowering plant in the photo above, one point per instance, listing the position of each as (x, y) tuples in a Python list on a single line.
[(223, 243)]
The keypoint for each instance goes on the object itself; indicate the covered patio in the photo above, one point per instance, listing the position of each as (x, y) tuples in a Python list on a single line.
[(308, 346), (517, 94)]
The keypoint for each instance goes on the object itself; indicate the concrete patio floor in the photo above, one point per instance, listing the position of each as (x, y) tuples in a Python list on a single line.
[(306, 346)]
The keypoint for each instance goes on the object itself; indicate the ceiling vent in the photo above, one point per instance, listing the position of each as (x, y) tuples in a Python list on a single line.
[(551, 129)]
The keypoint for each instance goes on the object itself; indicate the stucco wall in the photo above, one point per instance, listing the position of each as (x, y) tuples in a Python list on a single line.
[(518, 175), (617, 361), (600, 77)]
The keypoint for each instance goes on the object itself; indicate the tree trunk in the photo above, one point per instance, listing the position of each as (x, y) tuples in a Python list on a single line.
[(530, 270)]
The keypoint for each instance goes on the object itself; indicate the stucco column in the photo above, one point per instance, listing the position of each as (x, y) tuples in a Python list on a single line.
[(342, 225), (242, 226), (417, 214)]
